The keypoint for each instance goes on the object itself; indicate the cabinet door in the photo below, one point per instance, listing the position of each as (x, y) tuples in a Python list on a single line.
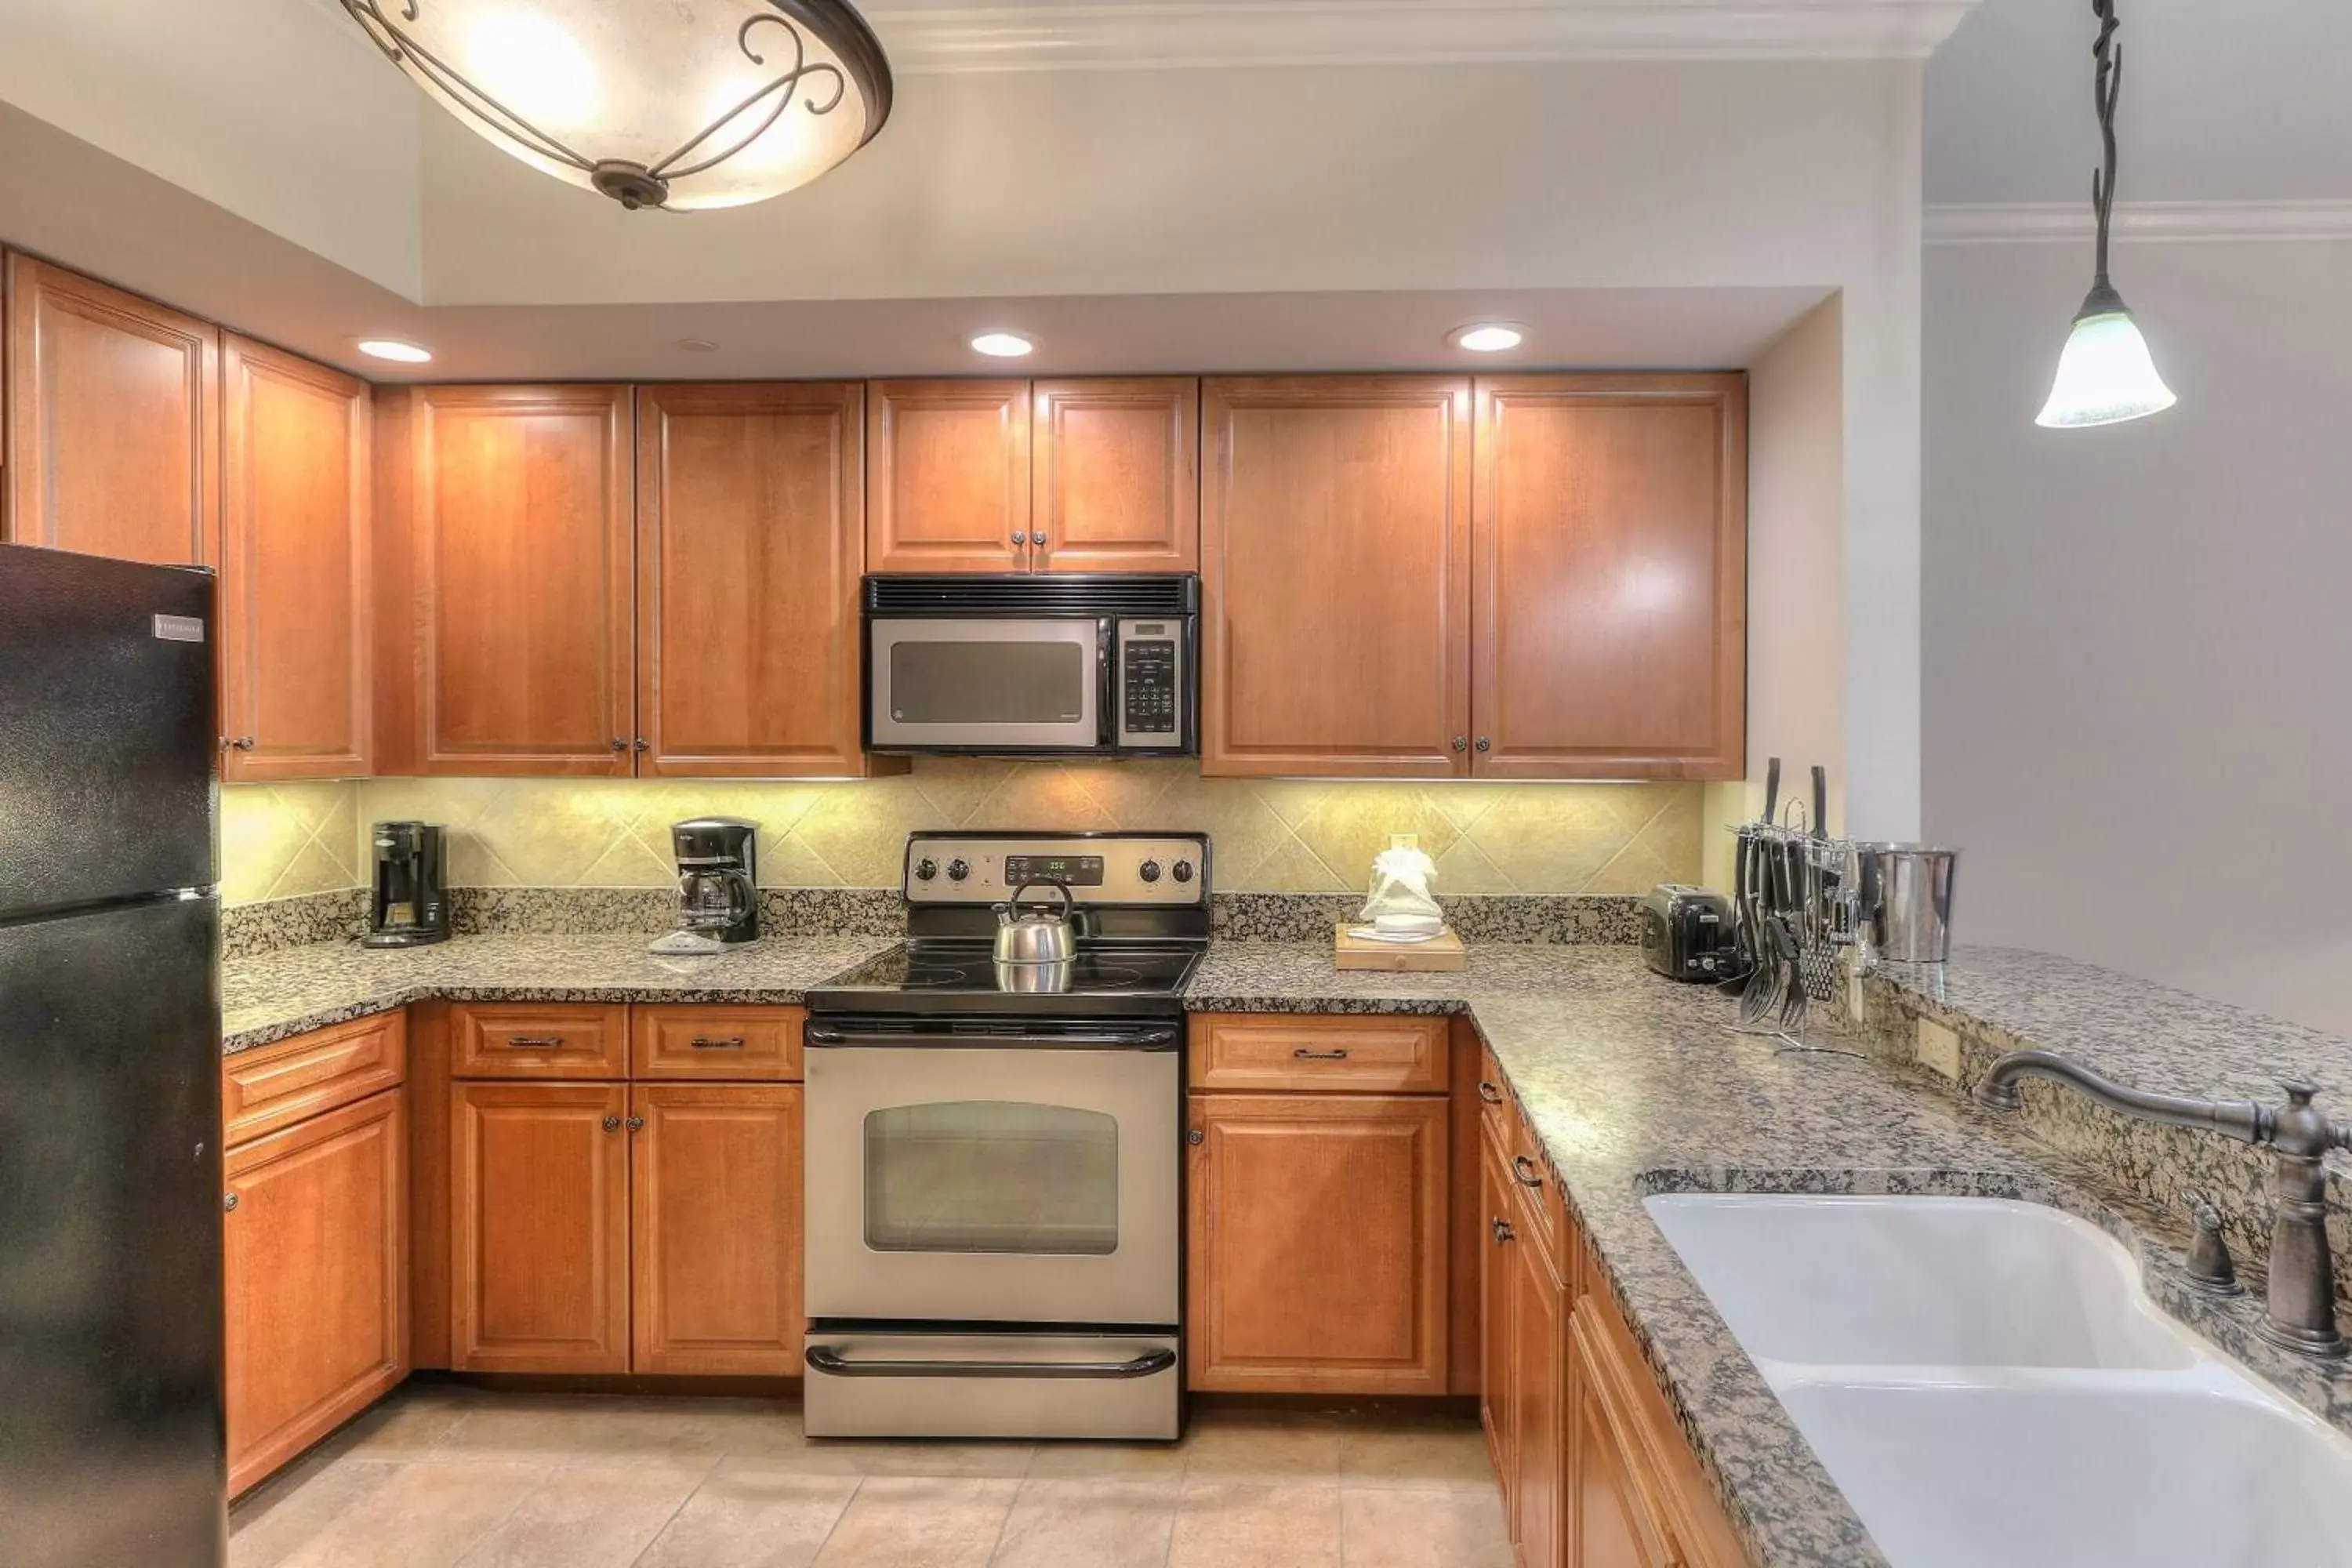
[(1539, 1401), (539, 1227), (1335, 573), (315, 1275), (1497, 1279), (294, 589), (716, 1190), (523, 579), (1117, 478), (1611, 527), (949, 486), (750, 537), (1616, 1523), (113, 421), (1317, 1244)]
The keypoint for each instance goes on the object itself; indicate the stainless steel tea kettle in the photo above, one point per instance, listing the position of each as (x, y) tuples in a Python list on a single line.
[(1039, 938)]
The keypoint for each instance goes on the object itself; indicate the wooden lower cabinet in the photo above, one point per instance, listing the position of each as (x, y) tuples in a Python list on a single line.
[(315, 1265), (1617, 1526), (539, 1227), (1317, 1259), (714, 1192), (1539, 1395)]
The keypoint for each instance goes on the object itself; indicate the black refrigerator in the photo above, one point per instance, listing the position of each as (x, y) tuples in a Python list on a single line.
[(112, 1436)]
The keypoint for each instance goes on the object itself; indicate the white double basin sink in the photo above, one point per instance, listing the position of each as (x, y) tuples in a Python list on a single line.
[(1986, 1383)]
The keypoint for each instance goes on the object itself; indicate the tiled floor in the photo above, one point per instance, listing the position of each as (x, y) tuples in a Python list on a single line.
[(448, 1476)]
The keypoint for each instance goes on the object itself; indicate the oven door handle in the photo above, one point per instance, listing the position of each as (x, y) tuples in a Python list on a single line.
[(818, 1037), (832, 1364)]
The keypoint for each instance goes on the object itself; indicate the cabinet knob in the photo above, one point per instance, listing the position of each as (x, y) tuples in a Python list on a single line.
[(1037, 536), (228, 1204), (634, 1124), (620, 744), (1503, 1231), (242, 743), (1485, 744), (612, 1124), (642, 744), (1461, 742), (1196, 1137)]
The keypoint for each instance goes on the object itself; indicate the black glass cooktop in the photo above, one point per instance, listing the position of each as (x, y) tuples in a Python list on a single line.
[(956, 977)]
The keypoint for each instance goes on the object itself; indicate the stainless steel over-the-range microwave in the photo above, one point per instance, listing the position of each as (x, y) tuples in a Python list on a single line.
[(1038, 665)]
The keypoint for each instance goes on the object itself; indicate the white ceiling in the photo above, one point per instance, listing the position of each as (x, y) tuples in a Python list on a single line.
[(2222, 100)]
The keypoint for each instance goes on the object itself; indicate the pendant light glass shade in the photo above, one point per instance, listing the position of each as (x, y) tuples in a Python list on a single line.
[(709, 104), (2105, 374)]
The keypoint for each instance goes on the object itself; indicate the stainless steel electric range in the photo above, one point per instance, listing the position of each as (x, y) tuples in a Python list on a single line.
[(994, 1151)]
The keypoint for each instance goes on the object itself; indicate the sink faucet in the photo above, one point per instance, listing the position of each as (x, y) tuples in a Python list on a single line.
[(2301, 1302)]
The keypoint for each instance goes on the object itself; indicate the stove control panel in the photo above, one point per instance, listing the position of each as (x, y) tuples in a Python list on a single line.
[(1097, 869)]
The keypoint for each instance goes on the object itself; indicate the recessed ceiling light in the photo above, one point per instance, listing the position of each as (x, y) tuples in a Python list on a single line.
[(1002, 345), (1487, 337), (394, 349), (698, 346)]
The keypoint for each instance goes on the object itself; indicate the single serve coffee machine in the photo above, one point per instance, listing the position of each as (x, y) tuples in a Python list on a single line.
[(409, 904)]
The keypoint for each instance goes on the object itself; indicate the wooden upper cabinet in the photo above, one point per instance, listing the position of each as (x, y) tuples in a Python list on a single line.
[(315, 1270), (539, 1227), (716, 1190), (949, 490), (113, 421), (750, 538), (1335, 568), (1611, 525), (1317, 1244), (521, 572), (294, 609), (1118, 484)]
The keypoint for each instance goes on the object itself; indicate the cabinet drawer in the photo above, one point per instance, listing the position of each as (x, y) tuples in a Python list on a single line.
[(546, 1039), (1495, 1110), (1272, 1050), (736, 1043), (1543, 1206), (278, 1085)]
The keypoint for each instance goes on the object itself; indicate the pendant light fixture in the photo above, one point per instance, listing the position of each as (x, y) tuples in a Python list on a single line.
[(712, 104), (2104, 373)]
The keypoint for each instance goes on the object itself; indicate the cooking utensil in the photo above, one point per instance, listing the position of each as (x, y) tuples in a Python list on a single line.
[(1039, 938), (1821, 801), (1772, 789)]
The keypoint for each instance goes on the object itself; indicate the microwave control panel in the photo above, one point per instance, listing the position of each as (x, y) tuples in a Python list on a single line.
[(1152, 683)]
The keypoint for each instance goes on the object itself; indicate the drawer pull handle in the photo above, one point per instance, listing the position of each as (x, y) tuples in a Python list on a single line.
[(534, 1042), (1490, 1093), (1524, 1169), (1503, 1231), (1304, 1055), (718, 1042)]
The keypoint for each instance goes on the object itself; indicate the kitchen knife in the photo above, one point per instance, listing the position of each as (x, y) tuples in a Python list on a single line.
[(1821, 801), (1772, 789)]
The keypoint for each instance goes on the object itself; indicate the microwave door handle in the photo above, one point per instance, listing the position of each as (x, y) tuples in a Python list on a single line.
[(1106, 691)]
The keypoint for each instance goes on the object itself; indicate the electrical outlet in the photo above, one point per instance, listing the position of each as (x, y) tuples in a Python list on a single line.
[(1937, 1049)]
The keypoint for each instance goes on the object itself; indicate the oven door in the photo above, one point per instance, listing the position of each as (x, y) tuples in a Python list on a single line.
[(993, 1178), (968, 684)]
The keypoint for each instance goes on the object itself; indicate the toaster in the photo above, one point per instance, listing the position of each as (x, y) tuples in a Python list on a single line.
[(1686, 933)]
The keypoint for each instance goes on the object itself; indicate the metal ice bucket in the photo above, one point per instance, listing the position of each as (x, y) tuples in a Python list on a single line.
[(1903, 901)]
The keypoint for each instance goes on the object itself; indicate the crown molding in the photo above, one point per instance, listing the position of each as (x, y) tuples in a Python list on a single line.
[(2051, 223), (1176, 34)]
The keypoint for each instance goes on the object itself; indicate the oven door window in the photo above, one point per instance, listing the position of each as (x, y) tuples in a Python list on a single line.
[(992, 1176)]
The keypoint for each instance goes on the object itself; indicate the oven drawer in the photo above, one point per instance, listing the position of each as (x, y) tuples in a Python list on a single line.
[(539, 1039), (1391, 1055), (883, 1380)]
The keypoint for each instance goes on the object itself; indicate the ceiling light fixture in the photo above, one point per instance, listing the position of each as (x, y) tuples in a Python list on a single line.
[(1003, 345), (394, 349), (711, 105), (2105, 373), (1487, 337)]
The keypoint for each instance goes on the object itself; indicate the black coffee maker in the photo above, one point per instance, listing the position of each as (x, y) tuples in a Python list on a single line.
[(409, 905), (717, 877)]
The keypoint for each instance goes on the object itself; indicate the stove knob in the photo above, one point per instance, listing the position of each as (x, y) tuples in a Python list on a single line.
[(925, 868), (958, 870), (1183, 870), (1149, 870)]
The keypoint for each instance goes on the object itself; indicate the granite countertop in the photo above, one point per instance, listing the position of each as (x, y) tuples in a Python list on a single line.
[(1633, 1083), (298, 989)]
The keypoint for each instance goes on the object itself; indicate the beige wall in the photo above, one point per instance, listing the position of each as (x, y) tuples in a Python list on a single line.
[(1271, 836)]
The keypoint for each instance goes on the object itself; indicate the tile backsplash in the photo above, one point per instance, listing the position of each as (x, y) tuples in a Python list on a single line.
[(1274, 836)]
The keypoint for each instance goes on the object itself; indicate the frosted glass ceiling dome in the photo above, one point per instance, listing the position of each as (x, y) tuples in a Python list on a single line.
[(677, 103)]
